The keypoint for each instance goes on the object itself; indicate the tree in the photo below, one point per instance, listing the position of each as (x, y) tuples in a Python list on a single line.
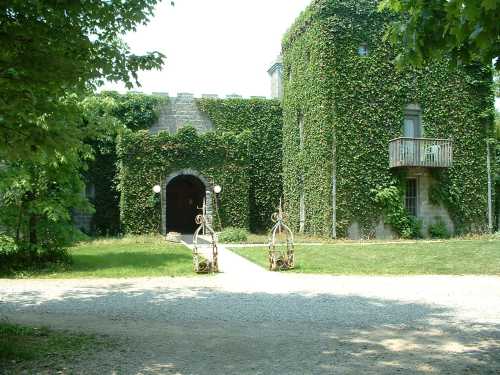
[(131, 111), (52, 49), (466, 30), (53, 54), (497, 174)]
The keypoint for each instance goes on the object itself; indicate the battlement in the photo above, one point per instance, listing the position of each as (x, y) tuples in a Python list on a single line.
[(190, 96)]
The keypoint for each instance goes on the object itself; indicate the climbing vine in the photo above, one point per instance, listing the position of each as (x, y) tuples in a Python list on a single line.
[(131, 111), (263, 118), (351, 105), (147, 159)]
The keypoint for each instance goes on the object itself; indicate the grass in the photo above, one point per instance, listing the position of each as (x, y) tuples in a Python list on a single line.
[(120, 258), (19, 344), (454, 257), (254, 238)]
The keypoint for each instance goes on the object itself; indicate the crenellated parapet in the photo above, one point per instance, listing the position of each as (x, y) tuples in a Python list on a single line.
[(183, 110)]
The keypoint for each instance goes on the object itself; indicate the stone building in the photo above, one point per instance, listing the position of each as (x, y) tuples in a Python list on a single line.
[(355, 126)]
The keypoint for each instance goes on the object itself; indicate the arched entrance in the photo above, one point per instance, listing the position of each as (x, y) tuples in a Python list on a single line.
[(184, 198)]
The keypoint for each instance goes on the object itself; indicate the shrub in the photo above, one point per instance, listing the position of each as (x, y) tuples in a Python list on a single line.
[(232, 235), (18, 257), (7, 244), (438, 229), (390, 201)]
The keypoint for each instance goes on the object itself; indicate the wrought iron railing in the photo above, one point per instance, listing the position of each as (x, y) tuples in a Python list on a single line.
[(420, 152)]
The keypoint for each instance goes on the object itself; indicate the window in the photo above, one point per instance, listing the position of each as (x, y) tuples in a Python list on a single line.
[(363, 50), (411, 196), (412, 125)]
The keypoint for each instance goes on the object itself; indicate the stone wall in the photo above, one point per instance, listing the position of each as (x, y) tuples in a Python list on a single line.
[(426, 211), (179, 112)]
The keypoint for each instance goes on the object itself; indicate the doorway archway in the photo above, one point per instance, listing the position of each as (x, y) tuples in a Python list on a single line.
[(184, 198)]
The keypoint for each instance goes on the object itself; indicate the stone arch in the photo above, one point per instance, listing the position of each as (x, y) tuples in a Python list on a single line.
[(172, 178)]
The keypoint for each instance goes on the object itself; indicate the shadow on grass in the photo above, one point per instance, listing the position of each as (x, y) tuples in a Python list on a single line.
[(134, 260), (113, 264), (200, 330)]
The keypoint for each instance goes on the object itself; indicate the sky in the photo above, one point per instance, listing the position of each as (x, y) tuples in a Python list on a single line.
[(219, 47)]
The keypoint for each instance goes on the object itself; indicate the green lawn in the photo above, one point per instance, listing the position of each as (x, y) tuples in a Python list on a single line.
[(455, 257), (254, 238), (128, 257), (20, 345)]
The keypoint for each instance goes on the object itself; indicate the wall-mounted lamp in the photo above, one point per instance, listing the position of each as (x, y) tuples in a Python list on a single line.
[(157, 189), (217, 189)]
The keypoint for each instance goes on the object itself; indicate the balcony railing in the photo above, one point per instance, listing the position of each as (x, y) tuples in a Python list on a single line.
[(420, 152)]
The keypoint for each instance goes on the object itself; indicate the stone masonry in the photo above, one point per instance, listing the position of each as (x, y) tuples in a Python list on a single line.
[(179, 112), (427, 212), (276, 74)]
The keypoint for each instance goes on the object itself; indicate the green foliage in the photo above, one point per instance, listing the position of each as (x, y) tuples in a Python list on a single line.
[(438, 229), (7, 244), (52, 50), (233, 235), (264, 119), (497, 172), (496, 84), (395, 214), (467, 30), (37, 199), (114, 112), (135, 111), (352, 106), (52, 55), (146, 160)]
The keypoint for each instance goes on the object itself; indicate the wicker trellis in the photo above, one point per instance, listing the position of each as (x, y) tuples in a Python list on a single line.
[(207, 262), (281, 260)]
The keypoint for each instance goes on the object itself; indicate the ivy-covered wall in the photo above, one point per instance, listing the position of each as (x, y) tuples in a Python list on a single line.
[(243, 155), (132, 111), (146, 160), (264, 119), (351, 106)]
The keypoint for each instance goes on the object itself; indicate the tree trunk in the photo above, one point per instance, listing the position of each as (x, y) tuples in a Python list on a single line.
[(32, 229)]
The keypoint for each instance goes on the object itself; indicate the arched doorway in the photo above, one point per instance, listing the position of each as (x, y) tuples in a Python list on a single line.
[(184, 199)]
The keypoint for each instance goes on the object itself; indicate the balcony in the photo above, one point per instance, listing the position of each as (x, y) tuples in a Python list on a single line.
[(420, 152)]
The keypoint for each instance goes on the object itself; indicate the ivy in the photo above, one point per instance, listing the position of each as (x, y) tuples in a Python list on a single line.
[(131, 111), (353, 105), (390, 201), (147, 159), (243, 154), (263, 118)]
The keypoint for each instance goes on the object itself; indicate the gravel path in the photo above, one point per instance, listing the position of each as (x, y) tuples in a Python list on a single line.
[(268, 323)]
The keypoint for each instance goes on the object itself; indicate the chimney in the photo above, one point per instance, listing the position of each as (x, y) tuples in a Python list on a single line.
[(276, 74)]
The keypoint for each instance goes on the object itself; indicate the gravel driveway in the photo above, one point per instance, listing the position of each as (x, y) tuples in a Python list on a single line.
[(263, 323)]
